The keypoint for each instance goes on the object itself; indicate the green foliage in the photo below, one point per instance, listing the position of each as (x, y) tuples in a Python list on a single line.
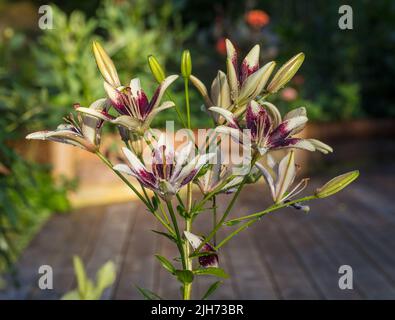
[(148, 294), (87, 289), (28, 193), (211, 290), (218, 272)]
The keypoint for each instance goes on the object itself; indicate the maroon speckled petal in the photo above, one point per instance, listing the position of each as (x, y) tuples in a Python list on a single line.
[(258, 121), (143, 104), (189, 177), (283, 143), (246, 70), (209, 260)]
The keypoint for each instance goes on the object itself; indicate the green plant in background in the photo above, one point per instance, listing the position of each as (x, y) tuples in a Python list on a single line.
[(131, 31), (87, 289), (28, 193)]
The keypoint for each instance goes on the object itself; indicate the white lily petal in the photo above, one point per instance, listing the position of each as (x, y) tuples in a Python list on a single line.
[(274, 113), (193, 239), (124, 169), (181, 157), (127, 122), (268, 178), (94, 113), (255, 83), (229, 117), (320, 146), (162, 89), (301, 111), (202, 89), (165, 105), (286, 175), (220, 91), (133, 160)]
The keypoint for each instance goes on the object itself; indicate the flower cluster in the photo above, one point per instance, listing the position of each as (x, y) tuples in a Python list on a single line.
[(238, 102)]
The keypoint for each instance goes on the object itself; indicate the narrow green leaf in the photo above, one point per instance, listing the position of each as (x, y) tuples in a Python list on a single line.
[(155, 205), (167, 235), (231, 223), (211, 289), (166, 264), (148, 294), (218, 272), (184, 276), (81, 276)]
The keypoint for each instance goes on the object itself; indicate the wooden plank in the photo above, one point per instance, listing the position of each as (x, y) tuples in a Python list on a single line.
[(367, 278), (61, 237), (369, 231), (112, 235), (138, 266), (312, 254)]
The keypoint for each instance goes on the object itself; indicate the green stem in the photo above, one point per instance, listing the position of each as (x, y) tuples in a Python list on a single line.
[(214, 219), (228, 209), (141, 197), (188, 219), (109, 164), (177, 110), (272, 208), (256, 216), (178, 236), (186, 86)]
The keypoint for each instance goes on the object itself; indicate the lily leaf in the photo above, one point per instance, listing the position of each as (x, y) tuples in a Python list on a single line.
[(167, 235), (148, 294), (211, 289), (166, 264), (218, 272), (184, 276), (231, 223)]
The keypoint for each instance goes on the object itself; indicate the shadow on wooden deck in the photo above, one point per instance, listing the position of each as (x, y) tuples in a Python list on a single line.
[(287, 255)]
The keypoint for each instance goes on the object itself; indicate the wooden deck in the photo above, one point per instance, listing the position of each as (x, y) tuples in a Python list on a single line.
[(287, 255)]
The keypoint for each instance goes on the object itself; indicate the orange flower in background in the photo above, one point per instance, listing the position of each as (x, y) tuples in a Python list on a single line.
[(220, 46), (289, 94), (257, 18)]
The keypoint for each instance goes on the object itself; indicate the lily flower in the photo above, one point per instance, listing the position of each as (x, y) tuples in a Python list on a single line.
[(281, 181), (236, 89), (136, 111), (222, 178), (266, 129), (83, 132), (170, 170), (206, 261)]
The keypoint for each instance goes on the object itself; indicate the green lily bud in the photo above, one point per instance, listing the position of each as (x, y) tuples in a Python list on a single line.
[(156, 69), (186, 64), (285, 73), (336, 184)]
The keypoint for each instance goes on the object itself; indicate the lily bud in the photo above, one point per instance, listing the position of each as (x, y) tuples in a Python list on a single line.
[(186, 64), (156, 69), (105, 65), (336, 184), (285, 73)]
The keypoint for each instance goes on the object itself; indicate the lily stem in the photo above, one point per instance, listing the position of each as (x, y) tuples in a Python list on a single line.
[(177, 230), (256, 216), (188, 214), (109, 164)]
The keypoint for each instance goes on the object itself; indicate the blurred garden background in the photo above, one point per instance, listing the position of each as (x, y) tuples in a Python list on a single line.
[(346, 84)]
